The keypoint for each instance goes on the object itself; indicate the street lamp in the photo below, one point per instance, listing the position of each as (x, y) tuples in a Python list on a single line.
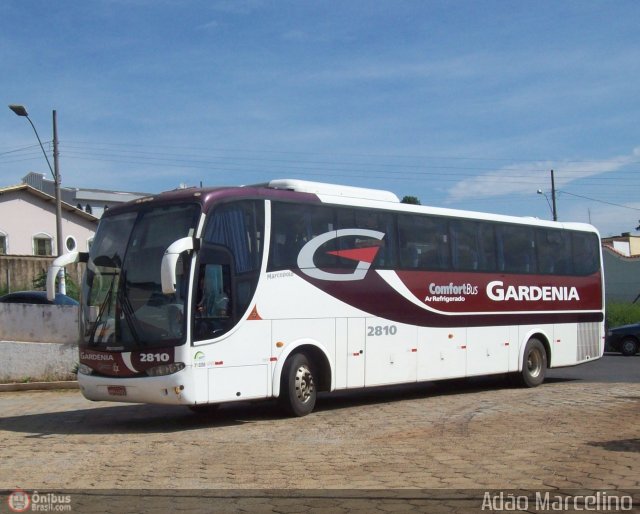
[(541, 192), (20, 110), (554, 210)]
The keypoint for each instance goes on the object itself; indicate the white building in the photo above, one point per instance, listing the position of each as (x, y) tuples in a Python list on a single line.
[(93, 201), (28, 223), (625, 244)]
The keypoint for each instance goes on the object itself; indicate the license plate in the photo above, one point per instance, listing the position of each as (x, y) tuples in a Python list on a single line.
[(117, 390)]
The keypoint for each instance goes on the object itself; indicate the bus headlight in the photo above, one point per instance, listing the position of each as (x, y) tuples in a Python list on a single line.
[(165, 369), (84, 369)]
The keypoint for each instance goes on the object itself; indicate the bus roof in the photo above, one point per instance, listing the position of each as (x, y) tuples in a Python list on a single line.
[(321, 188), (303, 190)]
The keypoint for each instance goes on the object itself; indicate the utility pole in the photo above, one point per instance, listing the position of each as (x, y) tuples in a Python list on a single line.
[(20, 110), (553, 197), (62, 286)]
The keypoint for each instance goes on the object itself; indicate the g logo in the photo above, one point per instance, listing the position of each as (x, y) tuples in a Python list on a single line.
[(364, 256)]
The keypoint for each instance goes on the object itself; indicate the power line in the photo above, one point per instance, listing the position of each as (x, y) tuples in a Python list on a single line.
[(214, 160), (544, 160), (600, 201), (369, 167), (16, 150), (96, 150)]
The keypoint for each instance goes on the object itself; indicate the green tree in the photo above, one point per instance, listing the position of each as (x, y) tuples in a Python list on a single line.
[(412, 200), (40, 284)]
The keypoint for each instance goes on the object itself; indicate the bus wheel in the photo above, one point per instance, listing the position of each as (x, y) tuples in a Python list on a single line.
[(297, 387), (534, 364)]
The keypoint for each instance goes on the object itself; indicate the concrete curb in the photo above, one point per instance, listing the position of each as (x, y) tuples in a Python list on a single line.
[(38, 386)]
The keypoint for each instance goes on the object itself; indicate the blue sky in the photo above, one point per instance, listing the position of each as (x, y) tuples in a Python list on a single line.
[(464, 104)]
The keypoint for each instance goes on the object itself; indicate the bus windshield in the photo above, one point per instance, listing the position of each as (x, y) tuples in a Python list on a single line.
[(123, 306)]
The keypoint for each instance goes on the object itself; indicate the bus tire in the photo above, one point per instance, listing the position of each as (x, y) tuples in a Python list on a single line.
[(534, 364), (297, 386)]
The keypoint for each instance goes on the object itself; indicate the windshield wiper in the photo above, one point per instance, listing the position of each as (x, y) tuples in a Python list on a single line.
[(127, 310), (104, 306)]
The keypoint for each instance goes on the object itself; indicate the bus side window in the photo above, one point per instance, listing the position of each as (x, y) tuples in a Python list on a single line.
[(424, 242), (233, 239), (409, 242), (293, 226), (213, 293), (518, 248), (288, 234), (585, 253), (553, 251), (488, 260), (213, 301), (320, 220), (369, 220), (436, 237), (464, 245)]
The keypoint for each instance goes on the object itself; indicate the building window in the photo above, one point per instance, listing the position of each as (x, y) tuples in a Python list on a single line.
[(3, 244), (71, 244), (42, 244)]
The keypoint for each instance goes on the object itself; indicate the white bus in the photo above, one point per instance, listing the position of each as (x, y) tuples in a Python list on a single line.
[(285, 289)]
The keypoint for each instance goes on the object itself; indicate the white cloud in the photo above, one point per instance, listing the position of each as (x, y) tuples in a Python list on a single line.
[(237, 6), (296, 35), (527, 177), (610, 221), (213, 24), (457, 68)]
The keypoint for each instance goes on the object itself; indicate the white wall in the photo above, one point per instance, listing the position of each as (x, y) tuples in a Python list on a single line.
[(23, 215), (623, 247), (39, 323), (37, 362), (38, 342)]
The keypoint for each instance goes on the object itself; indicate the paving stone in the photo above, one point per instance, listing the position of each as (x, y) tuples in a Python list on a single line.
[(558, 435)]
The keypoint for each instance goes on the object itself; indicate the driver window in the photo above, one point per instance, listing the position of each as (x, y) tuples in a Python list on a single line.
[(213, 301)]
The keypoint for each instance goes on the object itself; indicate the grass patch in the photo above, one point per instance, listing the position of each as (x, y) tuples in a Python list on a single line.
[(618, 314)]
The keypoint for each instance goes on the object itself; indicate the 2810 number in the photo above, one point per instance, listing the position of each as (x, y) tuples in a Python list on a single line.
[(382, 330), (154, 357)]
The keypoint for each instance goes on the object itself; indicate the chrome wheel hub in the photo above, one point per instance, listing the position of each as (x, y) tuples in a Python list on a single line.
[(304, 384), (534, 362)]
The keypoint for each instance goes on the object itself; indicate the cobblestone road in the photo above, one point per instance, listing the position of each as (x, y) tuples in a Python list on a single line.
[(453, 435)]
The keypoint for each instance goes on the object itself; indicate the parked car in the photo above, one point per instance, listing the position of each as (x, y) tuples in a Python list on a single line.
[(37, 297), (624, 339)]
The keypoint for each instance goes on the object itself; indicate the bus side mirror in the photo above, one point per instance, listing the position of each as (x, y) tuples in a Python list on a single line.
[(170, 260), (58, 264)]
